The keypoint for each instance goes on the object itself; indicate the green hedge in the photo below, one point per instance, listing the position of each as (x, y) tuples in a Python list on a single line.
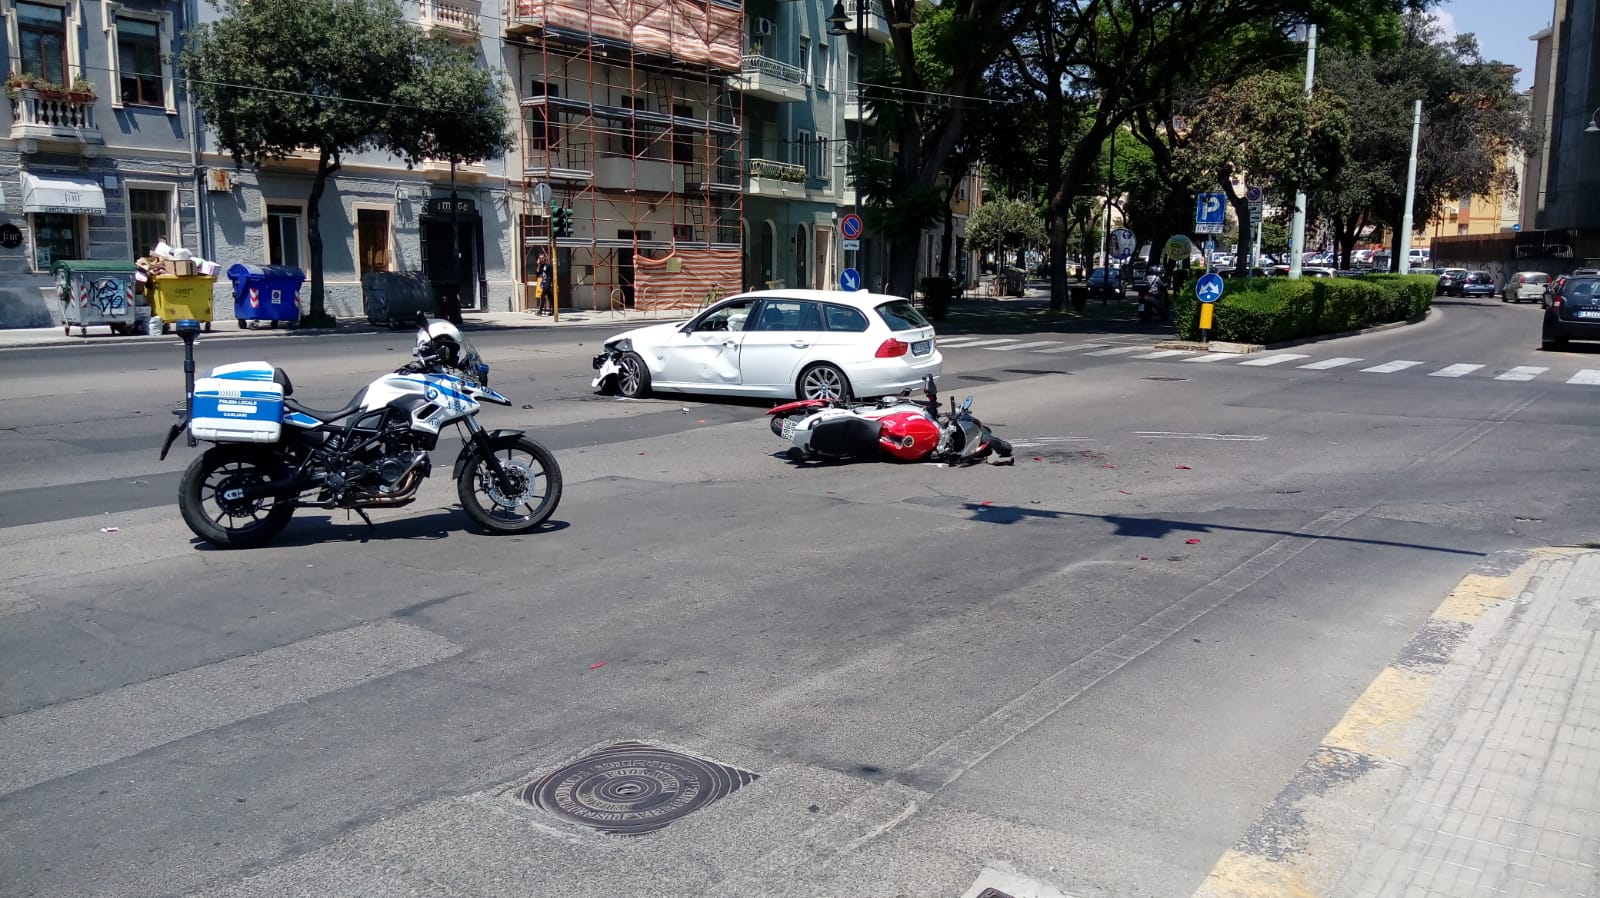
[(1276, 310)]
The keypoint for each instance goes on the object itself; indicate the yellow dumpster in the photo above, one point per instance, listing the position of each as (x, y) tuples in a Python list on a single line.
[(174, 298)]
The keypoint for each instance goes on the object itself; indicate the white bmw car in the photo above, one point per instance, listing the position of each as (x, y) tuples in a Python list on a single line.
[(785, 344)]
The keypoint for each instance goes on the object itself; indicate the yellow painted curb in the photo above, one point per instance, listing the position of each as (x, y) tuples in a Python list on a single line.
[(1285, 854)]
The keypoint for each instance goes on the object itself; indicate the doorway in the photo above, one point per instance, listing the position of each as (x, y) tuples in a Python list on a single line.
[(372, 240), (801, 254), (625, 256), (822, 274), (767, 258)]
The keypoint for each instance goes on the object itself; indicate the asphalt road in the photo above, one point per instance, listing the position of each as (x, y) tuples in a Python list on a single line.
[(1092, 669)]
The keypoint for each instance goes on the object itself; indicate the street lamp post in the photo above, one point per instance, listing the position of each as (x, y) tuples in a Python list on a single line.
[(1111, 178), (837, 19), (1404, 262), (1297, 241)]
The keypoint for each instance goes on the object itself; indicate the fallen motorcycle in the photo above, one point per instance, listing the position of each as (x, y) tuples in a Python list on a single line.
[(897, 427), (272, 454)]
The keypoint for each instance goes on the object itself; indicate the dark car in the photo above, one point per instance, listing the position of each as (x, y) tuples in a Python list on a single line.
[(1451, 281), (1478, 283), (1573, 313), (1106, 282)]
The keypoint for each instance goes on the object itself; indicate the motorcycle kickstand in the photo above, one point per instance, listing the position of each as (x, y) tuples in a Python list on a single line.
[(363, 513)]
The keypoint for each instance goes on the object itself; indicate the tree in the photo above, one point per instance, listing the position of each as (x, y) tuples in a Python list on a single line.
[(331, 78), (1005, 222)]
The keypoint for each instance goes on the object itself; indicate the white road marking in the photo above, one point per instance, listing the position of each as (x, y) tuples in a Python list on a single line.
[(1225, 437), (1522, 372), (1080, 347), (1455, 370), (986, 343), (1047, 441), (1214, 357), (1118, 350), (1588, 376), (1278, 359), (1023, 346), (955, 341), (1165, 354), (60, 740), (1325, 364), (1390, 367)]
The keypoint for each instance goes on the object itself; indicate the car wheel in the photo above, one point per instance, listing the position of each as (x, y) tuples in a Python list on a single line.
[(633, 376), (823, 382)]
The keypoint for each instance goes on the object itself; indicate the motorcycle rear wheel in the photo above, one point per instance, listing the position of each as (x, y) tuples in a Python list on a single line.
[(530, 467), (233, 524)]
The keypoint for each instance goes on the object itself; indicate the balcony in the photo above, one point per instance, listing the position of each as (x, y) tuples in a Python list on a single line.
[(34, 117), (877, 25), (452, 18), (768, 79), (642, 175), (857, 111), (776, 179)]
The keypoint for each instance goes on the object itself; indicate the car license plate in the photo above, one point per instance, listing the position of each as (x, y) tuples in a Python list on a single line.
[(1589, 313), (922, 347), (788, 429)]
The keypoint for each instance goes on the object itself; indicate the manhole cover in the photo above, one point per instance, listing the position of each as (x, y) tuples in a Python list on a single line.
[(632, 788)]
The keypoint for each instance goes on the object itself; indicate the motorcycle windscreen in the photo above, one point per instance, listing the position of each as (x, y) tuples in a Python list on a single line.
[(846, 436)]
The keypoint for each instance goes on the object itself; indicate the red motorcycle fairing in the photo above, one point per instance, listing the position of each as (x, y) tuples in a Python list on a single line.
[(908, 436), (799, 405)]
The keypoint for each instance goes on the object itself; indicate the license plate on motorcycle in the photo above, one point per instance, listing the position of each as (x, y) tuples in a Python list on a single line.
[(922, 347), (788, 428)]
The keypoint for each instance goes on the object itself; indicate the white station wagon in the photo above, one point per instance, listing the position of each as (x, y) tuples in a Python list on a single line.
[(784, 344)]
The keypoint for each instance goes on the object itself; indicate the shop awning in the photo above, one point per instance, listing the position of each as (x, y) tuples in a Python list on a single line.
[(62, 193)]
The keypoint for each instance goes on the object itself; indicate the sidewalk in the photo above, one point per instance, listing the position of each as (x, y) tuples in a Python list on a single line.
[(17, 338), (1470, 767)]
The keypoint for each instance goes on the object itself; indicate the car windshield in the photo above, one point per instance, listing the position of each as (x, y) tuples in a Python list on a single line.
[(1583, 289), (901, 315), (1536, 279)]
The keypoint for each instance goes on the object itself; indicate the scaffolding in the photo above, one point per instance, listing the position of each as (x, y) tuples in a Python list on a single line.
[(629, 118)]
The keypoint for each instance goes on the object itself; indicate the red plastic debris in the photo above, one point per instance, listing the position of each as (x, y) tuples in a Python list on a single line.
[(1125, 492), (641, 453), (597, 666), (1108, 466), (701, 421), (1144, 557), (986, 503), (1192, 542), (1038, 458), (1185, 468)]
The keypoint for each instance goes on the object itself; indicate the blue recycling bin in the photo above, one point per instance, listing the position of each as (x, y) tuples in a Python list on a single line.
[(268, 293)]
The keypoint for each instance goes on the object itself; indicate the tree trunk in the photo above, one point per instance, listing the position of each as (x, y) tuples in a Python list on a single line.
[(327, 164)]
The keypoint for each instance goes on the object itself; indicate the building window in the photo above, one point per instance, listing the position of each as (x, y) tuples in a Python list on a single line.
[(824, 57), (800, 149), (149, 219), (819, 158), (56, 236), (42, 31), (283, 235), (683, 138), (805, 58), (543, 133), (139, 62), (372, 240), (683, 233)]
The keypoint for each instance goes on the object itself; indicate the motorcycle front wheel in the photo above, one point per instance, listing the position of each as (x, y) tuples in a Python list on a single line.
[(530, 496), (225, 521)]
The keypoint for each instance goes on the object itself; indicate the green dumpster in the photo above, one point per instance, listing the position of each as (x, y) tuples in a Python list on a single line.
[(98, 292)]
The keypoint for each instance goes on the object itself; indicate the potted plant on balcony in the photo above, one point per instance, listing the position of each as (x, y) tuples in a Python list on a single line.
[(49, 90), (16, 82), (80, 91)]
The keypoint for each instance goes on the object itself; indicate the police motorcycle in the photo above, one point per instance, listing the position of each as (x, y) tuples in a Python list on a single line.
[(271, 454)]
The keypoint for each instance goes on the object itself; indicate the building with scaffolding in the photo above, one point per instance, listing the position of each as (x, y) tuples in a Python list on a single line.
[(629, 118)]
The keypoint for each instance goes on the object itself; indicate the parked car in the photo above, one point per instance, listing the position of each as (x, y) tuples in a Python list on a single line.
[(1525, 285), (1106, 282), (1573, 313), (1450, 282), (786, 344), (1477, 283)]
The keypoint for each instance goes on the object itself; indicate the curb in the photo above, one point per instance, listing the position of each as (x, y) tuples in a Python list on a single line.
[(1308, 837)]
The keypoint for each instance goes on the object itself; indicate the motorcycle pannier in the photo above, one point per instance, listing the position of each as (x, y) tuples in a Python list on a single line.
[(238, 403)]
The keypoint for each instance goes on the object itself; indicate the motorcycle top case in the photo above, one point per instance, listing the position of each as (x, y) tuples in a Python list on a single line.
[(238, 403)]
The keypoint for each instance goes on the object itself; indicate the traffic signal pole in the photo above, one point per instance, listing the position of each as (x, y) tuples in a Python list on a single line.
[(555, 271)]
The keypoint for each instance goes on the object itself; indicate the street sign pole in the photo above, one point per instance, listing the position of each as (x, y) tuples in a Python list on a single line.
[(1208, 289)]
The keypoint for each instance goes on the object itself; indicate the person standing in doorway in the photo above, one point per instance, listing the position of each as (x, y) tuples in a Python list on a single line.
[(544, 284)]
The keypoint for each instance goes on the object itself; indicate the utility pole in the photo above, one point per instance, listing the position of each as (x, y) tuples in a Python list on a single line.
[(1111, 178), (1297, 240), (1411, 195)]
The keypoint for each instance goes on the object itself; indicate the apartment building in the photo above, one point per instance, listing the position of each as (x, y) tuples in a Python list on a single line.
[(1563, 175), (97, 160)]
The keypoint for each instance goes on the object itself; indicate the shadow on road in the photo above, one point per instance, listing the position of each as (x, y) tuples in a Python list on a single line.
[(320, 529), (1156, 528)]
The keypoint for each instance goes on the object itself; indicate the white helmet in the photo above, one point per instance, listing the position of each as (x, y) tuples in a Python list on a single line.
[(439, 341)]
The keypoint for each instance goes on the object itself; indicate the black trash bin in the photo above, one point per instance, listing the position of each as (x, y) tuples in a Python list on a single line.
[(398, 298), (268, 293)]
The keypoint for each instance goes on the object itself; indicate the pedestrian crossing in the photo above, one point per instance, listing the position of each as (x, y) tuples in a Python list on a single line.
[(1299, 361)]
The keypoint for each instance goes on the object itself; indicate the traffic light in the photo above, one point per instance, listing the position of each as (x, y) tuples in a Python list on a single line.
[(561, 221)]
